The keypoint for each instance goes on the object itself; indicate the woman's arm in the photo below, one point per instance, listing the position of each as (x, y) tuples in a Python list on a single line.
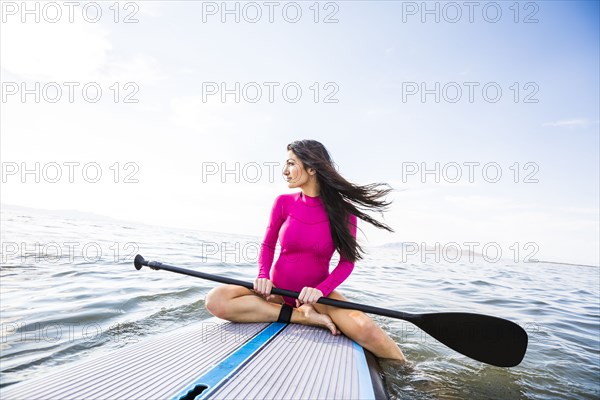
[(267, 248), (342, 270)]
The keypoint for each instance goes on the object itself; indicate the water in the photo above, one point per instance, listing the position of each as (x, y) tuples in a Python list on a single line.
[(90, 300)]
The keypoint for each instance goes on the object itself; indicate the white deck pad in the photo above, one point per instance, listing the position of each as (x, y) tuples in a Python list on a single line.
[(215, 359)]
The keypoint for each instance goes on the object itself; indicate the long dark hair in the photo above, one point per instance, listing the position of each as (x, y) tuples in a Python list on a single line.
[(341, 197)]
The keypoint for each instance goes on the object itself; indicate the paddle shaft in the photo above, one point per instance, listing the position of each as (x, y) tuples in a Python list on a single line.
[(485, 338), (283, 292)]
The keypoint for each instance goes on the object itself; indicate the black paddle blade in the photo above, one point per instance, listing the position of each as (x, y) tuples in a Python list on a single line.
[(488, 339)]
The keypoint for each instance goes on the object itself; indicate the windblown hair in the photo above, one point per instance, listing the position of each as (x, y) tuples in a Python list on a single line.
[(341, 197)]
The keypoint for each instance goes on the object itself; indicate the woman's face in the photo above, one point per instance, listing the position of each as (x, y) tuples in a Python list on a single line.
[(294, 172)]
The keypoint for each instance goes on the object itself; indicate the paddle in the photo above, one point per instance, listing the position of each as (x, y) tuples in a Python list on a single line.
[(484, 338)]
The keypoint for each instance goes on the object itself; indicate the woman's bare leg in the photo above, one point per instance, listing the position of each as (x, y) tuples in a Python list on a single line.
[(240, 304), (362, 329)]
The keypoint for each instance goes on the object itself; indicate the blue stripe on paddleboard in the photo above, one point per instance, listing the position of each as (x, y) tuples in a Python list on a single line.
[(223, 370), (365, 386)]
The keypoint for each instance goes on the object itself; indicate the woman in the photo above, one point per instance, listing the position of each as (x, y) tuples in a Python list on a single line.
[(310, 225)]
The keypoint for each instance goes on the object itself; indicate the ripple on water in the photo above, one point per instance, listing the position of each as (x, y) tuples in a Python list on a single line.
[(450, 377)]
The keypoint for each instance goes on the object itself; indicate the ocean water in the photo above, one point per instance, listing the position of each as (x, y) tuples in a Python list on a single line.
[(69, 291)]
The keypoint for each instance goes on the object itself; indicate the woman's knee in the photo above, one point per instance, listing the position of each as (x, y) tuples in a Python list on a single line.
[(361, 327), (213, 301), (367, 331), (217, 298), (358, 326)]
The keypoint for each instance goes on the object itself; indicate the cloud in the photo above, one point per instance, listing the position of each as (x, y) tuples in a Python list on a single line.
[(71, 52), (61, 51)]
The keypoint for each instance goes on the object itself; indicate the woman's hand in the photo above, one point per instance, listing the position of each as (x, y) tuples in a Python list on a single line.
[(263, 287), (308, 295)]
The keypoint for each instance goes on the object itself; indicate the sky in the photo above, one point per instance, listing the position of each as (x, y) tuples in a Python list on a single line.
[(177, 114)]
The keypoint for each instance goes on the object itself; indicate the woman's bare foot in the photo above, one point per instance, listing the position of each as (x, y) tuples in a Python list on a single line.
[(313, 317)]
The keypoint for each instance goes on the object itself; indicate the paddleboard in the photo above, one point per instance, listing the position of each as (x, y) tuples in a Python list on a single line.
[(218, 359)]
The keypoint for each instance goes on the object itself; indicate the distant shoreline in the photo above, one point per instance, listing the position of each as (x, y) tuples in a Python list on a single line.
[(563, 263), (397, 245)]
